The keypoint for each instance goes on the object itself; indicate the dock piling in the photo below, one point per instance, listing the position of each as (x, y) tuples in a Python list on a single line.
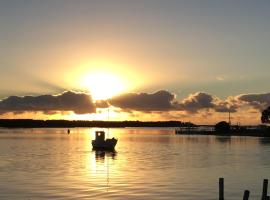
[(221, 188), (264, 192), (246, 195), (246, 192)]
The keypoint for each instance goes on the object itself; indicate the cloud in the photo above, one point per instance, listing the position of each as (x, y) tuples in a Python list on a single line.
[(197, 101), (257, 101), (200, 100), (102, 104), (166, 101), (159, 101), (226, 106), (79, 103), (220, 78)]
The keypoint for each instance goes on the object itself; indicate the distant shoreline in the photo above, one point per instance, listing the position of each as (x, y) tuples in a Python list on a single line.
[(189, 128), (30, 123)]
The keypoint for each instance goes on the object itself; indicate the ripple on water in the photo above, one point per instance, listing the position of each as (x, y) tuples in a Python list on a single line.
[(148, 164)]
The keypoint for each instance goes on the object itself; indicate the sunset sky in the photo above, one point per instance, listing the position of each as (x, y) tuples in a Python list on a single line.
[(145, 59)]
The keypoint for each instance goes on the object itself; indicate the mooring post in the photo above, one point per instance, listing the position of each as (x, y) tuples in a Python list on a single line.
[(264, 192), (221, 188), (246, 195)]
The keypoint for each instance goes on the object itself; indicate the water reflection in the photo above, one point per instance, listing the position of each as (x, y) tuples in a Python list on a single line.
[(103, 170), (264, 141), (100, 155), (148, 164), (223, 139)]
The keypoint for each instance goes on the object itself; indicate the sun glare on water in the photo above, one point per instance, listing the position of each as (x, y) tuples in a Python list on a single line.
[(103, 85)]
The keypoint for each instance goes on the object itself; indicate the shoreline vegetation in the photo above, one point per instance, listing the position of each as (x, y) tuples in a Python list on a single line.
[(181, 128), (30, 123)]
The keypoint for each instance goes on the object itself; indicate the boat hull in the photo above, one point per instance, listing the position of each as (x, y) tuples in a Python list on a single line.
[(108, 144)]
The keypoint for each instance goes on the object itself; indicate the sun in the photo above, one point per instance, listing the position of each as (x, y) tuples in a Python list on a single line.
[(103, 85)]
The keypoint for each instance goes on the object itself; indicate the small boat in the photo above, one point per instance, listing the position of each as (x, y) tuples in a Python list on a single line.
[(101, 143)]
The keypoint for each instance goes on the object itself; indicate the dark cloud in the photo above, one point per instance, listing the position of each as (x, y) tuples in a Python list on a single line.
[(197, 101), (225, 107), (158, 101), (257, 101), (79, 103), (200, 100), (102, 104), (166, 101)]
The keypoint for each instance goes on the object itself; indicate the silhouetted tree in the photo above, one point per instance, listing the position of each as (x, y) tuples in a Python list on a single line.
[(222, 127), (265, 118)]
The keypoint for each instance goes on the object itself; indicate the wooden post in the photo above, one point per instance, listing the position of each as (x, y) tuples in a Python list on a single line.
[(246, 195), (267, 198), (264, 192), (221, 188)]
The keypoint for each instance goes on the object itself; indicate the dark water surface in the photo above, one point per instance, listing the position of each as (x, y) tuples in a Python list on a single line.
[(148, 164)]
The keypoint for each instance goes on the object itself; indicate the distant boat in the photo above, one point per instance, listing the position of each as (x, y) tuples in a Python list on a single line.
[(101, 143)]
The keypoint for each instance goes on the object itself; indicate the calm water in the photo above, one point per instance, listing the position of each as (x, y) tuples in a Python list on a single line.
[(148, 164)]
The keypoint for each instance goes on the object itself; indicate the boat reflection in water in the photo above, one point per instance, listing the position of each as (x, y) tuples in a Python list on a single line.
[(101, 144), (103, 164), (100, 154)]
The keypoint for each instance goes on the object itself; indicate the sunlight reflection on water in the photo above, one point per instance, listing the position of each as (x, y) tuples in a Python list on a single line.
[(147, 164)]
